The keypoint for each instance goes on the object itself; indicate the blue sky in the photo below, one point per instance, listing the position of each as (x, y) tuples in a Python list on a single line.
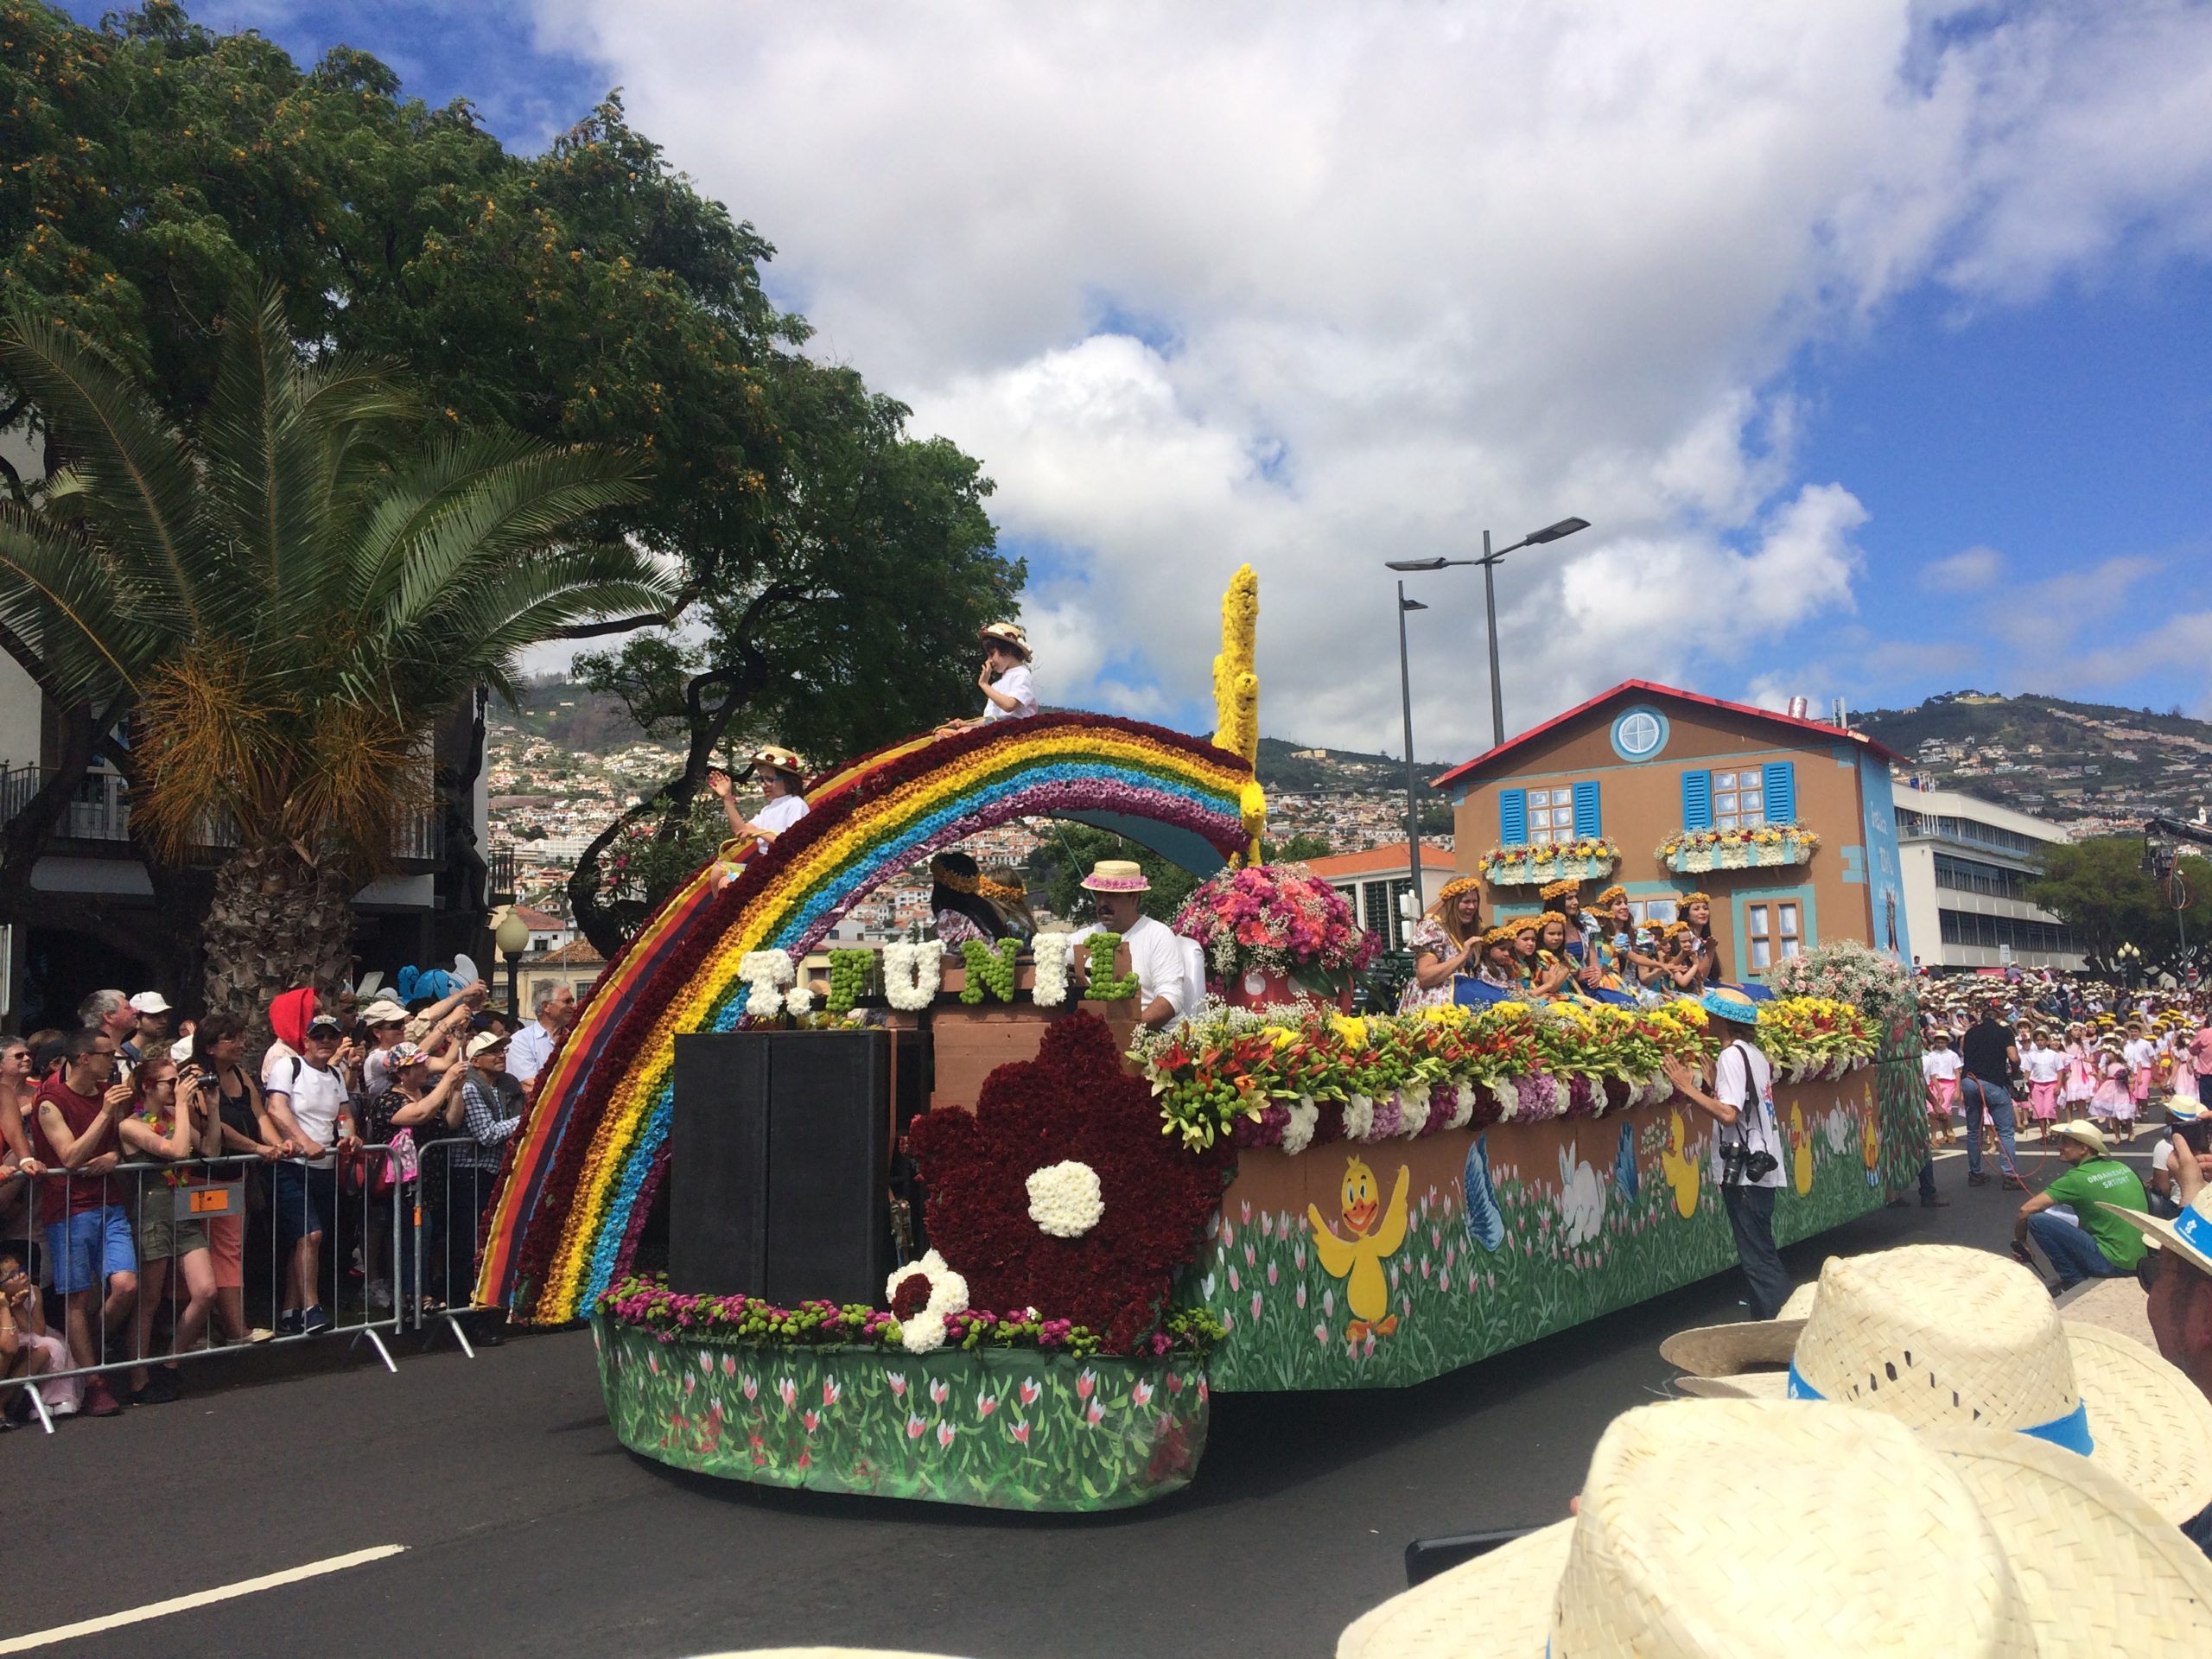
[(1901, 387)]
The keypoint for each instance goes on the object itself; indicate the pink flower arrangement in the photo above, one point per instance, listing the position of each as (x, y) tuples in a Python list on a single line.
[(1276, 919)]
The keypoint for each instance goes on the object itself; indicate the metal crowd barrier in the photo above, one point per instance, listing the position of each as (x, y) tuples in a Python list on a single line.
[(452, 1191), (364, 1233)]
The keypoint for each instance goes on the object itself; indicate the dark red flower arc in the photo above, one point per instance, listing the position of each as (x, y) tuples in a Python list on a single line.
[(1074, 1101)]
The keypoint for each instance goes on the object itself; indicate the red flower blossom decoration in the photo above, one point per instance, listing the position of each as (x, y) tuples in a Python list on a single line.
[(1072, 1102)]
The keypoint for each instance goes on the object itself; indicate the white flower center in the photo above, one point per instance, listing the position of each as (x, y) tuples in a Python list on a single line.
[(1064, 1198)]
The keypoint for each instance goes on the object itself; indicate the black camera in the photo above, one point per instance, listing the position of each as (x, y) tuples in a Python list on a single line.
[(1738, 1162)]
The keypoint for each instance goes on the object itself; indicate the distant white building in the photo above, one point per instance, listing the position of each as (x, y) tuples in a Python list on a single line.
[(1965, 865)]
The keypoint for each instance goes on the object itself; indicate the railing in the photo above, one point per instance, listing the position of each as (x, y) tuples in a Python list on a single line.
[(499, 877), (101, 811)]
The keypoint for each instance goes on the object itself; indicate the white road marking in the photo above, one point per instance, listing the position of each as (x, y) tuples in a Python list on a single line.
[(197, 1598)]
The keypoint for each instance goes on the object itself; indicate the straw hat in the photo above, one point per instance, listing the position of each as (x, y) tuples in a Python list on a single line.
[(1939, 1335), (1714, 1527), (1724, 1002), (2189, 1235), (1117, 875), (1008, 634), (778, 759), (2087, 1133)]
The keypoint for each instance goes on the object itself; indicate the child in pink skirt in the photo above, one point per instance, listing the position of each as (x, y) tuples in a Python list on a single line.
[(2043, 1066), (2112, 1100), (2141, 1055), (2080, 1082), (1939, 1070)]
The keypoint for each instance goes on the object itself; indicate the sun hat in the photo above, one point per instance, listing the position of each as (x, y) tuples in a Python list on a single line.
[(1723, 1002), (181, 1050), (2087, 1133), (2185, 1111), (1117, 875), (2189, 1235), (1008, 634), (1711, 1527), (383, 1012), (1937, 1335), (778, 759), (400, 1055), (484, 1042), (149, 1002)]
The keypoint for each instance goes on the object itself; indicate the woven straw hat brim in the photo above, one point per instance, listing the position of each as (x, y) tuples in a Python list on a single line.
[(2137, 1403), (2102, 1571), (1498, 1604), (2162, 1235), (1723, 1349)]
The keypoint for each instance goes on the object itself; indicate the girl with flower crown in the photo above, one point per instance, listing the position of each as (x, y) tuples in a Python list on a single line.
[(1553, 969), (1445, 943), (965, 904), (1695, 910)]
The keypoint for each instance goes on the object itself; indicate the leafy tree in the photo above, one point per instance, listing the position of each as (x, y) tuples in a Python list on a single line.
[(2100, 889), (288, 597), (586, 294), (1300, 847)]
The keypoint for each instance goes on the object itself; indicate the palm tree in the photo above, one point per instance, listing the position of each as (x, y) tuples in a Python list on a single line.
[(289, 598)]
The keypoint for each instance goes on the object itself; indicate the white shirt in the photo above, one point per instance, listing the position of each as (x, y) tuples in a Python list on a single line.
[(316, 1097), (2138, 1053), (529, 1048), (1156, 958), (1941, 1065), (1759, 1128), (1020, 684), (779, 815), (2043, 1064)]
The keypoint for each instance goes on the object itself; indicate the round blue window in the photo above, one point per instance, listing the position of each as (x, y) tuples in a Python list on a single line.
[(1639, 733)]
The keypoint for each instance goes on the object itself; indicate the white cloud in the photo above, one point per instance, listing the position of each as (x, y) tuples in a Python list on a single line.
[(1966, 572), (1421, 269)]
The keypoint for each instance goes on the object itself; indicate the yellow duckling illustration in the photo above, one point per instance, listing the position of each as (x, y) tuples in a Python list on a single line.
[(1376, 1232), (1679, 1168), (1870, 1141), (1800, 1152)]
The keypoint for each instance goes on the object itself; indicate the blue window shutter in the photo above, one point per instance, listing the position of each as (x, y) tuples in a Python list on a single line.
[(1697, 800), (1781, 791), (1587, 824), (1512, 817)]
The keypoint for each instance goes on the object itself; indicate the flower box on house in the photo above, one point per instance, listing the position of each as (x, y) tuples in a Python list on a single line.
[(1005, 1428), (1696, 852), (1539, 864)]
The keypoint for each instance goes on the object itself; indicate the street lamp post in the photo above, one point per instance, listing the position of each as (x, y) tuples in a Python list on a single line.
[(1406, 700), (513, 936), (1489, 561)]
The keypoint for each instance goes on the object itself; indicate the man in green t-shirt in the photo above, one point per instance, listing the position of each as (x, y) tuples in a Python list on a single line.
[(2101, 1246)]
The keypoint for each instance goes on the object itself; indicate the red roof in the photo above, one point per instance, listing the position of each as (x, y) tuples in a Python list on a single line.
[(1391, 855), (576, 953), (1818, 728), (538, 921)]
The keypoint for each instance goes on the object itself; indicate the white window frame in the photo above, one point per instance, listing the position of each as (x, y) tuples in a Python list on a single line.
[(1775, 937), (1551, 816), (1734, 787)]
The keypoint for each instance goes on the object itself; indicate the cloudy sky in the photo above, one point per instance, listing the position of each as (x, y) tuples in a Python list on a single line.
[(1868, 334)]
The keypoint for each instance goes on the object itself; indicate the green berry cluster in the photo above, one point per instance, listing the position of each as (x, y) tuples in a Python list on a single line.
[(990, 967), (848, 975), (1104, 986)]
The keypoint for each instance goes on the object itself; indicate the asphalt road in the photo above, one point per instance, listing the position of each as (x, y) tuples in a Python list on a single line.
[(527, 1527)]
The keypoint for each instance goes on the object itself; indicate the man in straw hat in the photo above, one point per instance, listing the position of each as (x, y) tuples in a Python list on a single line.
[(2092, 1244), (1744, 1527), (1747, 1149), (1166, 992), (1942, 1336), (782, 776)]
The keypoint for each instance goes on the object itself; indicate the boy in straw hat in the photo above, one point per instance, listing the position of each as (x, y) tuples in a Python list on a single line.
[(782, 776), (1942, 1336), (2092, 1245), (1747, 1528), (1747, 1149), (1009, 688), (1166, 990)]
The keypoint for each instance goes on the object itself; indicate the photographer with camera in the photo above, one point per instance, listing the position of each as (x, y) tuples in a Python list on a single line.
[(1747, 1146)]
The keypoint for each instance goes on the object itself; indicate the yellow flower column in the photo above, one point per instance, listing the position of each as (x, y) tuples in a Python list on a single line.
[(1237, 693)]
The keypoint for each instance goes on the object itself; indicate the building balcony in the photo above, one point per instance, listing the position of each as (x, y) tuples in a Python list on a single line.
[(99, 812), (1540, 863), (1697, 852)]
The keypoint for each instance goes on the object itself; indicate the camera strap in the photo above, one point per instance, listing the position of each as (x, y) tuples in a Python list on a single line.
[(1755, 1103)]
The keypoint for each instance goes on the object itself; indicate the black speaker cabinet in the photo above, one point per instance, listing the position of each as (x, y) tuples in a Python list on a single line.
[(778, 1166)]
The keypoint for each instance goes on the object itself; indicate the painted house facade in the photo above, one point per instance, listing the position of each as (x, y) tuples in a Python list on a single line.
[(1693, 794)]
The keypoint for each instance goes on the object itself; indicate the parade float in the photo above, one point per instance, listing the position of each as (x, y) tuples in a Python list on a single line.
[(1113, 1226)]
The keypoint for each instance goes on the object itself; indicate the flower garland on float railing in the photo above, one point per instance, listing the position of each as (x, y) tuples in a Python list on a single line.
[(1294, 1078)]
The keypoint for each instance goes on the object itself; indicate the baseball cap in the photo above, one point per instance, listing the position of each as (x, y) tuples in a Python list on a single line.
[(324, 1022), (401, 1054), (149, 1002)]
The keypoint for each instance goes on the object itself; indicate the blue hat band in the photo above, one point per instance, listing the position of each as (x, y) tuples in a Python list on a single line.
[(2070, 1431)]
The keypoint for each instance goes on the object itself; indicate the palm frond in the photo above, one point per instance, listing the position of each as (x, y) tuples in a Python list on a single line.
[(138, 491), (59, 590)]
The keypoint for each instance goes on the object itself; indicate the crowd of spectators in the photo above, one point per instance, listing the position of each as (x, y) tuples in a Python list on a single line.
[(365, 1122)]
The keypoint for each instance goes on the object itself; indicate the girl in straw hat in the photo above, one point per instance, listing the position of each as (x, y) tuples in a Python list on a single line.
[(1446, 942), (2111, 1099), (1009, 688), (1755, 1528), (2080, 1083), (1939, 1072), (782, 777)]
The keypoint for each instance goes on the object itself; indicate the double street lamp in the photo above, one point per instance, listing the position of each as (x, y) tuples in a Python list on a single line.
[(1489, 561)]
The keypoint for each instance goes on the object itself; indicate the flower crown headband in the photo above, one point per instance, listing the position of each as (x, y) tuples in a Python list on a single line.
[(981, 886), (1609, 895), (1689, 898), (1458, 885), (1550, 916), (1558, 889)]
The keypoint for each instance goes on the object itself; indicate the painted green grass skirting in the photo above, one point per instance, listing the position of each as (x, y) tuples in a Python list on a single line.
[(1008, 1429), (1589, 1215)]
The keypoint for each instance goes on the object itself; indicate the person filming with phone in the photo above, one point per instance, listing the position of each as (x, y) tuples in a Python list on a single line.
[(1747, 1151)]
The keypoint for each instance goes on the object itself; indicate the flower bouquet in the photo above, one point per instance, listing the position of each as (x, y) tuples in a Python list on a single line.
[(1590, 859), (1693, 852), (1269, 928)]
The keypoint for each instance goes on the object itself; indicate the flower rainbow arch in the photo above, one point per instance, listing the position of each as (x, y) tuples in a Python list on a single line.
[(579, 1174)]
